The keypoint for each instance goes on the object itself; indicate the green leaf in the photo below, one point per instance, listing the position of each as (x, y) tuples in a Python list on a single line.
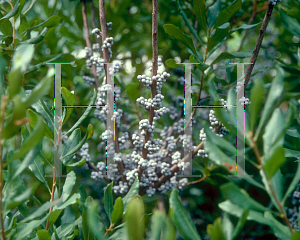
[(200, 11), (157, 224), (85, 114), (70, 100), (292, 185), (12, 12), (37, 167), (256, 98), (172, 63), (215, 230), (68, 186), (240, 197), (279, 230), (29, 228), (293, 133), (134, 220), (295, 236), (39, 212), (226, 55), (36, 39), (274, 131), (272, 164), (40, 90), (169, 231), (70, 144), (226, 14), (67, 230), (291, 24), (181, 218), (246, 27), (133, 191), (213, 12), (117, 213), (220, 33), (188, 23), (43, 235), (227, 226), (22, 57), (33, 118), (291, 153), (176, 33), (240, 224), (76, 148), (34, 138), (23, 23), (108, 200), (273, 96)]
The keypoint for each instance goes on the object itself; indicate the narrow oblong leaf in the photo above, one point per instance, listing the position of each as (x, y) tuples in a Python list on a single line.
[(133, 191), (200, 11), (256, 98), (226, 14), (181, 218), (70, 100), (108, 200), (117, 212)]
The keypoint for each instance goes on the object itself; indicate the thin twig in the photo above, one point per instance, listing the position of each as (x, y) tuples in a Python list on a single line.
[(256, 49), (3, 106), (88, 40), (52, 195), (197, 181)]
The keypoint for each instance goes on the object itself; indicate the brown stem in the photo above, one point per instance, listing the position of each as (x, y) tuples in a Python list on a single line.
[(154, 73), (95, 26), (103, 31), (52, 195), (3, 106), (88, 40), (259, 159), (256, 49), (197, 181)]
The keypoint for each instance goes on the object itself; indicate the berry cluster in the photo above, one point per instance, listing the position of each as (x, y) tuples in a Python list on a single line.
[(89, 80), (116, 68), (158, 113), (146, 81), (147, 103), (96, 32), (117, 117), (145, 125), (109, 25), (107, 43)]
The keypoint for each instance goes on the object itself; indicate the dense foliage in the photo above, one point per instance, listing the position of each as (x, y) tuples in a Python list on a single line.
[(142, 195)]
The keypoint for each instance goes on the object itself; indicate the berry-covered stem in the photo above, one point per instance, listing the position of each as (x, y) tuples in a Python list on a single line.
[(259, 159), (88, 39), (256, 49), (154, 73)]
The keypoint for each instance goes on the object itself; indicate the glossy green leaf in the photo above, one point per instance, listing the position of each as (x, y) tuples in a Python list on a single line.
[(246, 27), (68, 186), (292, 185), (117, 212), (12, 12), (135, 223), (220, 33), (37, 167), (240, 224), (34, 138), (70, 145), (169, 231), (70, 100), (181, 218), (66, 157), (290, 23), (213, 13), (274, 93), (176, 33), (227, 226), (40, 90), (200, 11), (274, 131), (39, 212), (256, 98), (227, 13), (85, 114), (133, 191), (108, 200), (226, 55), (172, 63), (291, 153), (157, 224), (272, 164), (187, 22), (43, 235), (240, 197), (215, 230), (33, 118)]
